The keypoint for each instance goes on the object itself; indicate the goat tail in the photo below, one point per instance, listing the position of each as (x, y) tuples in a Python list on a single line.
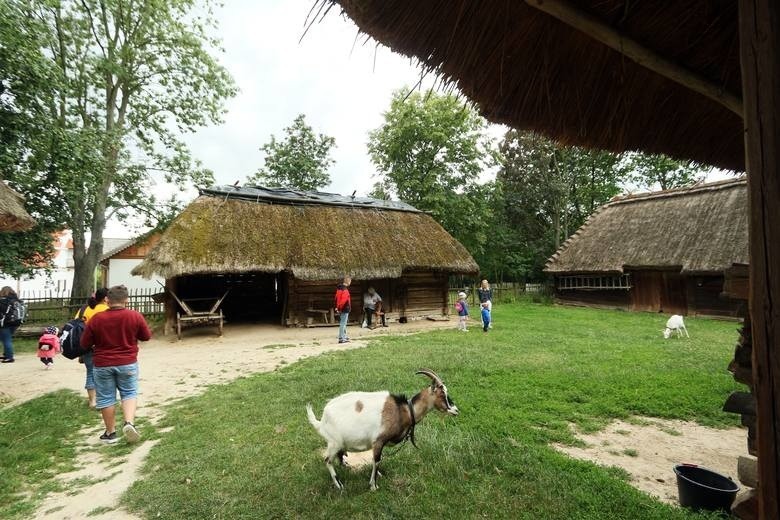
[(312, 418)]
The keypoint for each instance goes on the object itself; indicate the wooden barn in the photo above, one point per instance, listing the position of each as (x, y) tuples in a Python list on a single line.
[(664, 251), (282, 252)]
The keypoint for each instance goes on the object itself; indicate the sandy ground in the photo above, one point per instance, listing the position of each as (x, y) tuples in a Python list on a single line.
[(169, 370), (649, 448)]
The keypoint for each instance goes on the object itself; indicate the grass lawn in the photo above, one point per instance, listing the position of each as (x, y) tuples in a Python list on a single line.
[(246, 450), (38, 440)]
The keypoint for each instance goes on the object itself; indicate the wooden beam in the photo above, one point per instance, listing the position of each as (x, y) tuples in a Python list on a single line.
[(759, 38), (598, 30)]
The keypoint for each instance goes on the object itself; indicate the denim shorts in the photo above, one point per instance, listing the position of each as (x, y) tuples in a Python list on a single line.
[(89, 384), (110, 379)]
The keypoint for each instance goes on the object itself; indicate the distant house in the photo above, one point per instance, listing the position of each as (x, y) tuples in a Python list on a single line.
[(117, 263), (282, 252), (664, 252), (59, 279)]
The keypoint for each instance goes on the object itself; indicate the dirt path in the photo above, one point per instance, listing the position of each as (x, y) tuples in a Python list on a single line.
[(649, 448), (169, 370)]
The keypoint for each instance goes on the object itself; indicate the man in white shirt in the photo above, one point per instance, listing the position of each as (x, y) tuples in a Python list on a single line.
[(370, 302)]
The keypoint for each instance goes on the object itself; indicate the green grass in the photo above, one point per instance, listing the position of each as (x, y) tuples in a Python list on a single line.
[(246, 450), (38, 440)]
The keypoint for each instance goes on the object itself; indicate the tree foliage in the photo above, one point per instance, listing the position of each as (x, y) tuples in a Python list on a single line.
[(548, 191), (299, 161), (124, 80), (661, 171), (429, 152)]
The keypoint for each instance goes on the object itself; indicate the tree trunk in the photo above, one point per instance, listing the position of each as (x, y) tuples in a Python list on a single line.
[(759, 35)]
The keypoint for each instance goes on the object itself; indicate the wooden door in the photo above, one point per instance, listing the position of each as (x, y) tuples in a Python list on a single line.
[(673, 297), (646, 289)]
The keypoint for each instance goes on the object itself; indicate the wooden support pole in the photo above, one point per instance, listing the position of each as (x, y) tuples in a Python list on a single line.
[(759, 37), (598, 30)]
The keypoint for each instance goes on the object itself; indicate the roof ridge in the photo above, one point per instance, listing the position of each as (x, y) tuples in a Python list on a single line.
[(566, 243), (683, 190)]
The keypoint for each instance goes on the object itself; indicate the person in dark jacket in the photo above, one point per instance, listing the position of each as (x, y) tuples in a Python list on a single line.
[(7, 297), (485, 293), (343, 304)]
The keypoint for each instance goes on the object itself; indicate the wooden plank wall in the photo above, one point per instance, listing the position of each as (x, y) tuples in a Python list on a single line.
[(608, 298), (706, 297), (414, 295)]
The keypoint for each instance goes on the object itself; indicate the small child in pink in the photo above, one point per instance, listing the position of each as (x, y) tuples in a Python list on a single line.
[(48, 346)]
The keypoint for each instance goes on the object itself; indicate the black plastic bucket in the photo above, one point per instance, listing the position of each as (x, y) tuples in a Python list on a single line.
[(702, 488)]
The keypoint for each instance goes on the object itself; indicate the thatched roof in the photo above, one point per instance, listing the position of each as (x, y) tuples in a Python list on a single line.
[(703, 229), (527, 69), (221, 233), (13, 216)]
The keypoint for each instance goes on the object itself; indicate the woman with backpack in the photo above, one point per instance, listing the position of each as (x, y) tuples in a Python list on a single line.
[(7, 326), (97, 303)]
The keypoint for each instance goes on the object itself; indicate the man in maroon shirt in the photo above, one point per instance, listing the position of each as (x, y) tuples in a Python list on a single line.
[(114, 335)]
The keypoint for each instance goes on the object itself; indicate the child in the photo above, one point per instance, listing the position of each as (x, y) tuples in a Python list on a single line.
[(485, 316), (48, 346), (463, 311)]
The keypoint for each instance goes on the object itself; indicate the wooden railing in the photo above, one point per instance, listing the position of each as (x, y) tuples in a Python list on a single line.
[(52, 308)]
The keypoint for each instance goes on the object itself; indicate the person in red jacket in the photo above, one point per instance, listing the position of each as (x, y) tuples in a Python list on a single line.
[(343, 304), (114, 335)]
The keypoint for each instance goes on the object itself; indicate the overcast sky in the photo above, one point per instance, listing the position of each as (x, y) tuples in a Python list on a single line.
[(342, 86)]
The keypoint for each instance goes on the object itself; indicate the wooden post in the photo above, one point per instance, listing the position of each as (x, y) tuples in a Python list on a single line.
[(759, 36), (169, 307)]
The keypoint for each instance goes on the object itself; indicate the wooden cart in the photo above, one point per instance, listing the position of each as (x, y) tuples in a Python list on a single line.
[(192, 317)]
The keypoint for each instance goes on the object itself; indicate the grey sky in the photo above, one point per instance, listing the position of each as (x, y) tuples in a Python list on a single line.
[(343, 86), (337, 85)]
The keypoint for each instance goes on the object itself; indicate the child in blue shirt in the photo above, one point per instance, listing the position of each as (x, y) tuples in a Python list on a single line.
[(485, 316)]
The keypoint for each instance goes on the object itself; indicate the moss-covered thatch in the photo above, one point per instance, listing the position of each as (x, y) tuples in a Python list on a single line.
[(702, 230), (527, 69), (13, 216), (313, 242)]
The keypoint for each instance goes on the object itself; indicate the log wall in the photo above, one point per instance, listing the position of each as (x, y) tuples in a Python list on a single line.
[(416, 294)]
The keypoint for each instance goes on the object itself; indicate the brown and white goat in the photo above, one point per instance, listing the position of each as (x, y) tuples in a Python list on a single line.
[(358, 421)]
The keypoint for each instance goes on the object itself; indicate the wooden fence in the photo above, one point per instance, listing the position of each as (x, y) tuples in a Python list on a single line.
[(52, 308), (502, 292)]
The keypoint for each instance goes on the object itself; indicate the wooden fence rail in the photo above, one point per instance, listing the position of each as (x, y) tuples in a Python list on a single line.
[(52, 308), (502, 292)]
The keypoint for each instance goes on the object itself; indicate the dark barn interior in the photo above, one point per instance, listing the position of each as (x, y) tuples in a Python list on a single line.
[(253, 297)]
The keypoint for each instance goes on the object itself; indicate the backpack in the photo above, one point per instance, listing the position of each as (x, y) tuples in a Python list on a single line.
[(70, 337), (15, 313)]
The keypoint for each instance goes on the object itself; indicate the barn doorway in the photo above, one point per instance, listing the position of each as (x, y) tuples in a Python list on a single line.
[(659, 291), (254, 297)]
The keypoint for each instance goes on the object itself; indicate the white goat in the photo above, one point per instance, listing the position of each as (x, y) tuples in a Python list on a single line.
[(358, 421), (675, 323)]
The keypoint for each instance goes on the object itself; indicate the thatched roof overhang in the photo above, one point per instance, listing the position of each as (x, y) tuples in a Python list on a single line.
[(528, 69), (699, 230), (13, 216), (218, 234)]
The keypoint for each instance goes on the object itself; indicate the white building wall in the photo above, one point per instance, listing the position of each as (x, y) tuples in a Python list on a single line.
[(119, 273)]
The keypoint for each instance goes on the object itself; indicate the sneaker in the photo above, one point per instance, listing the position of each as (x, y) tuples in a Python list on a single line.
[(130, 433), (7, 360), (109, 438)]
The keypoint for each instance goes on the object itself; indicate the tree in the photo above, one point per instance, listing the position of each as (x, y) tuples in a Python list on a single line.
[(128, 78), (300, 161), (548, 192), (654, 171), (31, 74), (429, 153)]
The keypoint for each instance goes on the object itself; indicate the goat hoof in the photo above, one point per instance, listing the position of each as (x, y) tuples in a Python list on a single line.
[(374, 487)]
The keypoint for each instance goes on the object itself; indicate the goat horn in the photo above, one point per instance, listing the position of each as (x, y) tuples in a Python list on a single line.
[(430, 373)]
